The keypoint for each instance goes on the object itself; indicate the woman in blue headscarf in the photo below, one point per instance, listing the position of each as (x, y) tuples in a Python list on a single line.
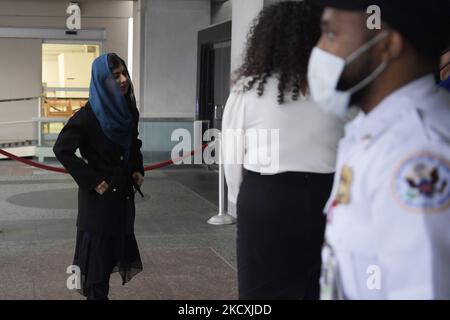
[(106, 133)]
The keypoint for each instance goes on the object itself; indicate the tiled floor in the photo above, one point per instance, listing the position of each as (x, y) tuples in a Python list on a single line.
[(183, 256)]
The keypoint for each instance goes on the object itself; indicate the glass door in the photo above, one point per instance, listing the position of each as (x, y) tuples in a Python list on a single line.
[(66, 75)]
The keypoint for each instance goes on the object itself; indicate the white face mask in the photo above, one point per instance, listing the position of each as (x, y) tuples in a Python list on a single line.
[(325, 70)]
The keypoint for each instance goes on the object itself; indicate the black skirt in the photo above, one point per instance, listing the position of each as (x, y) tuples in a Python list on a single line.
[(280, 232), (98, 256)]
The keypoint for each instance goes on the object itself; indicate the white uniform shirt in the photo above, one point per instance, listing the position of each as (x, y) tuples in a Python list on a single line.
[(389, 212), (307, 140)]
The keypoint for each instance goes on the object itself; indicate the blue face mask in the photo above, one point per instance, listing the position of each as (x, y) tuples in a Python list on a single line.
[(445, 84)]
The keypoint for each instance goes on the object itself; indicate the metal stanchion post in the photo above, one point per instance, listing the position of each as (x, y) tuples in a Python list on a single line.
[(39, 123), (222, 217)]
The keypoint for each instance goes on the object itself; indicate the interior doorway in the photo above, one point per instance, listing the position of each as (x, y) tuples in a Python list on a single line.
[(66, 75), (213, 74)]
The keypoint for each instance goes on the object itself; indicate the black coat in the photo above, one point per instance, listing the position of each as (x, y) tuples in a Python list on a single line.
[(114, 211)]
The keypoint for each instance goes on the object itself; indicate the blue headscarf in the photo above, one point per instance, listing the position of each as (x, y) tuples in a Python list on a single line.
[(445, 84), (109, 105)]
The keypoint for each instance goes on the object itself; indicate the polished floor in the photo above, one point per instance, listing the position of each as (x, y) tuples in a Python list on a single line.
[(183, 256)]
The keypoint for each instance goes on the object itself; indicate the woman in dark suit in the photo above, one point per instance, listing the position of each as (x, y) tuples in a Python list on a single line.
[(106, 133)]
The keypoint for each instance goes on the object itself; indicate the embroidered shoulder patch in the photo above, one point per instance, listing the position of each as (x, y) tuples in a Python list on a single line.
[(421, 183)]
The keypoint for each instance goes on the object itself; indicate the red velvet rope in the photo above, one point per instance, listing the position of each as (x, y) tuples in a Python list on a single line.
[(60, 170)]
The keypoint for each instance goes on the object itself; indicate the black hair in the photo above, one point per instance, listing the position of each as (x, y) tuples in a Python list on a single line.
[(280, 42), (114, 61)]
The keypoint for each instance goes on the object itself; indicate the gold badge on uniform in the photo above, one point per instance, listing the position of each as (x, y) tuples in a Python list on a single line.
[(345, 183)]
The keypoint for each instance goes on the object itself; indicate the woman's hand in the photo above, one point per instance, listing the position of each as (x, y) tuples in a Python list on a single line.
[(137, 176), (102, 188)]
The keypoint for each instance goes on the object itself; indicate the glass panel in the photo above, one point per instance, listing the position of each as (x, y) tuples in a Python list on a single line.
[(67, 65), (66, 74), (61, 107)]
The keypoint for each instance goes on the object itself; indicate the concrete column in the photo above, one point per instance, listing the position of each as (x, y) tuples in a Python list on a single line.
[(169, 56), (137, 50), (243, 14)]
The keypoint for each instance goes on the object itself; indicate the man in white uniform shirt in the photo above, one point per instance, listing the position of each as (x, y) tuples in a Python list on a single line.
[(389, 212)]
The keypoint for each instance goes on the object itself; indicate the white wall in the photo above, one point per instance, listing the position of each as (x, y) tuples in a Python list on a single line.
[(21, 78), (137, 7), (221, 12), (20, 68), (243, 14), (170, 56), (111, 16)]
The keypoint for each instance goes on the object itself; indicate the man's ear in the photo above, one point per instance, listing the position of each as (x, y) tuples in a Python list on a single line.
[(393, 46)]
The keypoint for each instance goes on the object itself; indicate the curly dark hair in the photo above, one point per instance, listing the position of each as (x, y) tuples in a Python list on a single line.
[(279, 43)]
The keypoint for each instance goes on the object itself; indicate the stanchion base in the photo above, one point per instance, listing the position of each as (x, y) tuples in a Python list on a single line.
[(221, 219)]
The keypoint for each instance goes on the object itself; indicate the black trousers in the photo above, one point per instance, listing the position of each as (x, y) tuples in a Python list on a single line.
[(280, 231)]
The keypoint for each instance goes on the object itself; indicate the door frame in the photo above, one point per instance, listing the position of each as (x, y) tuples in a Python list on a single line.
[(214, 35)]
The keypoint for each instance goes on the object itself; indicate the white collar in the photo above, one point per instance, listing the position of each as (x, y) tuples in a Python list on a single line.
[(369, 126)]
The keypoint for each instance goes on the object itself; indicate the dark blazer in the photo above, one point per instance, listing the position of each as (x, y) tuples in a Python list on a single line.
[(114, 211)]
